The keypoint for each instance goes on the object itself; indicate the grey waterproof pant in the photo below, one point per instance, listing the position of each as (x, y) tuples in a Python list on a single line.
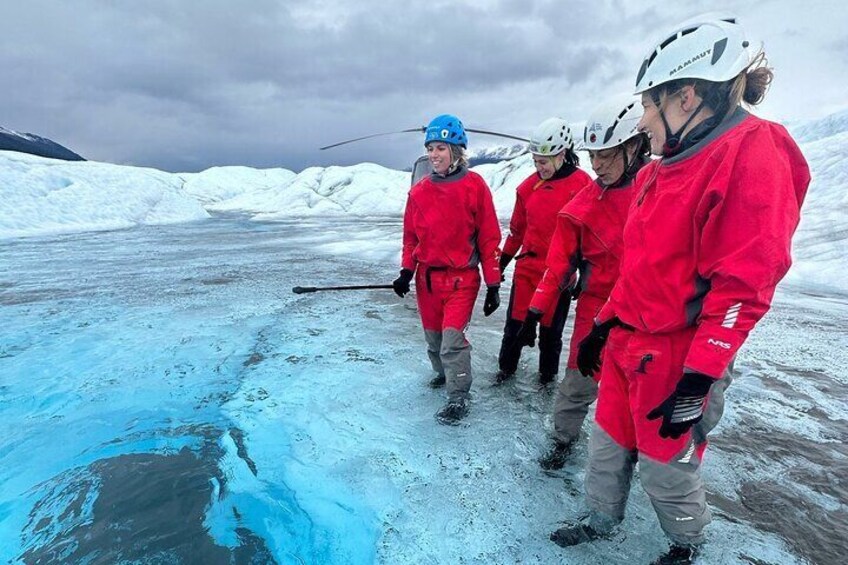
[(675, 488), (450, 355), (639, 372), (575, 394)]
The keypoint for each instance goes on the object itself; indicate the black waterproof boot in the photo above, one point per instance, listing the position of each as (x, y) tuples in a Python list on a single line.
[(501, 377), (546, 378), (576, 534), (437, 381), (678, 555), (452, 413), (556, 457)]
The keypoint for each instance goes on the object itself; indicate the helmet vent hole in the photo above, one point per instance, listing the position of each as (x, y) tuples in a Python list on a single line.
[(642, 72), (652, 57), (718, 50)]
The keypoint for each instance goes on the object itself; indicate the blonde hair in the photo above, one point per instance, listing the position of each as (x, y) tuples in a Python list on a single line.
[(459, 156)]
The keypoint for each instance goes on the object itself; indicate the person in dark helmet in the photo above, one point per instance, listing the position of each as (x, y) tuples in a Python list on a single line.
[(588, 237), (706, 242), (538, 199), (450, 230)]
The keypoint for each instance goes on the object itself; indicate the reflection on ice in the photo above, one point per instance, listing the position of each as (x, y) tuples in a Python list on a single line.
[(142, 506)]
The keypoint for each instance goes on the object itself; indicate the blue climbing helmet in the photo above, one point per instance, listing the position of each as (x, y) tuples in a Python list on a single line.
[(448, 129)]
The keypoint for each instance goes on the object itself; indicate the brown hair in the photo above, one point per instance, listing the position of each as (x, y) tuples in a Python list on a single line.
[(750, 86)]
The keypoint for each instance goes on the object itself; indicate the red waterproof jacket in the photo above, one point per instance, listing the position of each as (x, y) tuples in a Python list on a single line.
[(588, 233), (534, 217), (708, 238), (451, 222)]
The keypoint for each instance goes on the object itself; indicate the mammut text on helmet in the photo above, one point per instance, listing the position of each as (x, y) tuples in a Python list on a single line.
[(685, 64)]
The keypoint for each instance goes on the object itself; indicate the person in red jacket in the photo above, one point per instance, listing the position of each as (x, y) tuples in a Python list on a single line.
[(706, 241), (538, 199), (449, 230), (588, 237)]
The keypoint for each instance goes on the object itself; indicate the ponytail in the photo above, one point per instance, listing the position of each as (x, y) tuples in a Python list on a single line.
[(752, 84)]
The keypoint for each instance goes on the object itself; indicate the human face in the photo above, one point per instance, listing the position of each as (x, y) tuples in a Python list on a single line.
[(608, 164), (440, 156), (676, 108), (652, 124), (546, 166)]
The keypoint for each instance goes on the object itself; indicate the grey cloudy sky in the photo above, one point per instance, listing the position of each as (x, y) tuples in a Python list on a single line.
[(185, 85)]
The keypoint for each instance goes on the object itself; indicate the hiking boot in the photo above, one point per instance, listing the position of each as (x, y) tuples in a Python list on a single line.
[(437, 381), (576, 534), (556, 457), (546, 378), (678, 555), (452, 413), (502, 376)]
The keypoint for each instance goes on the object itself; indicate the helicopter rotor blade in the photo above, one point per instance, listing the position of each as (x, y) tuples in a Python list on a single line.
[(418, 129), (508, 136), (422, 129)]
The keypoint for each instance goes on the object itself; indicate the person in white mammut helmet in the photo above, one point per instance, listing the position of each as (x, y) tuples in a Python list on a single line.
[(588, 238), (538, 199), (705, 244)]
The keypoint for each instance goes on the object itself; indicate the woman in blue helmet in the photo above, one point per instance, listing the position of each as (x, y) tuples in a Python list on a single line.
[(449, 230)]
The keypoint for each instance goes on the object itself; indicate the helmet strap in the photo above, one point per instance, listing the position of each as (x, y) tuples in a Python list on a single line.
[(672, 139), (631, 167)]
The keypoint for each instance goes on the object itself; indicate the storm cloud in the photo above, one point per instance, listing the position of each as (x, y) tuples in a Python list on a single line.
[(186, 85)]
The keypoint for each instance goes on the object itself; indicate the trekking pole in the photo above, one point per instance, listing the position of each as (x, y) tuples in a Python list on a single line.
[(305, 289)]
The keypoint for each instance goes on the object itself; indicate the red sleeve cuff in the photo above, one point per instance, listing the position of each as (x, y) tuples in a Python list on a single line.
[(713, 349), (606, 313), (511, 246)]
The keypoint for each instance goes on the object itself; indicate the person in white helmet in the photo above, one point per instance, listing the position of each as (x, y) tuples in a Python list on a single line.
[(588, 237), (706, 242), (538, 199)]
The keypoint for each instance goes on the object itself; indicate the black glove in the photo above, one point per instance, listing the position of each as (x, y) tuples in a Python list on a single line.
[(401, 284), (589, 350), (684, 407), (505, 259), (493, 300), (527, 333)]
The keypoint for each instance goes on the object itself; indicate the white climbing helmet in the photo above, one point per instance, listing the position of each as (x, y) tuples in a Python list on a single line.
[(612, 123), (710, 47), (551, 137)]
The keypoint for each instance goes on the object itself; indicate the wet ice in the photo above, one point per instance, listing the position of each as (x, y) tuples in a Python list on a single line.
[(308, 424)]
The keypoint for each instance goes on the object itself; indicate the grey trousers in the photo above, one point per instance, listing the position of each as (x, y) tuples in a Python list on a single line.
[(450, 355), (575, 394), (675, 488)]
